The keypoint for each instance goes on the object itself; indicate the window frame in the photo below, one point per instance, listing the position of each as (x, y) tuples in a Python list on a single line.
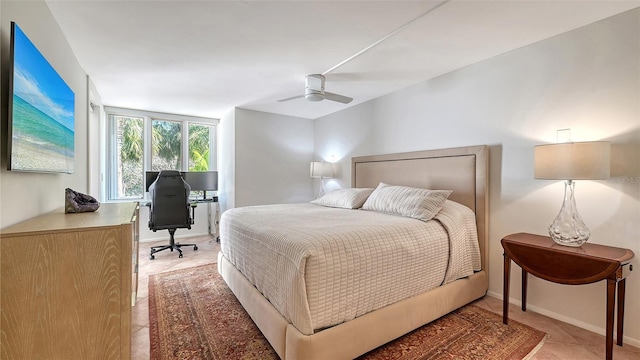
[(148, 117)]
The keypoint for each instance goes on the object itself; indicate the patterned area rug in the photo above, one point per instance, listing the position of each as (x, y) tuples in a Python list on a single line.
[(194, 315)]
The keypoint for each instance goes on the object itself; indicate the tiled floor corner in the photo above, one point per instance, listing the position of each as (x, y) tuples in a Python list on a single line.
[(566, 341)]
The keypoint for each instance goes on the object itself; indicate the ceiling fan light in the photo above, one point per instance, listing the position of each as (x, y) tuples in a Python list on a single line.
[(313, 95)]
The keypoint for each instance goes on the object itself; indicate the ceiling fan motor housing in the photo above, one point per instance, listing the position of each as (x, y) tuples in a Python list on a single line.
[(314, 87)]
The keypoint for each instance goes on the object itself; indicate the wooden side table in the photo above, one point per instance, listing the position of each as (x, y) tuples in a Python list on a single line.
[(589, 263)]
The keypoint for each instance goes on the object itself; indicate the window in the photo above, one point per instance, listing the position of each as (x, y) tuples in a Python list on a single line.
[(199, 147), (166, 142), (143, 141), (128, 167)]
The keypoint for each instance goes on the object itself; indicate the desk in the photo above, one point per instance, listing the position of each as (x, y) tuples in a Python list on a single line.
[(589, 263), (209, 201)]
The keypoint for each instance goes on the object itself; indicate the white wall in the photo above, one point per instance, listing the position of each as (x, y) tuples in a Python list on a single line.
[(272, 156), (227, 157), (96, 142), (24, 195), (586, 80)]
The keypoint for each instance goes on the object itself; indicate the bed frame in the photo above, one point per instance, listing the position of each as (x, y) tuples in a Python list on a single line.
[(463, 170)]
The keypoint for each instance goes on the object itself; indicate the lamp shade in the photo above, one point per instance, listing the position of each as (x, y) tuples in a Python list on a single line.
[(572, 161), (321, 169)]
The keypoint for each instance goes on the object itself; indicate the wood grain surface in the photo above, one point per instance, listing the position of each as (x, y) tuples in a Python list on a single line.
[(66, 286)]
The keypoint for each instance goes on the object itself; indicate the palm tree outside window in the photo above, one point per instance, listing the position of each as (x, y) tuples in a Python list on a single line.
[(142, 141)]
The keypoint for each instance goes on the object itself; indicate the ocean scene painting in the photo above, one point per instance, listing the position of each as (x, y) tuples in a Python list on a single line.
[(42, 125)]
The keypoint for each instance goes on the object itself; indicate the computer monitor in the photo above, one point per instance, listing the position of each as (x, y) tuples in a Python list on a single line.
[(201, 180), (149, 178)]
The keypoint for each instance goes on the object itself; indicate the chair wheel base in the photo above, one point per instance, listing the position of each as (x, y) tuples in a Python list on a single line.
[(171, 247)]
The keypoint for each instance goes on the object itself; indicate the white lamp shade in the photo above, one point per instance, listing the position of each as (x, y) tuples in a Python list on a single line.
[(572, 161), (321, 169)]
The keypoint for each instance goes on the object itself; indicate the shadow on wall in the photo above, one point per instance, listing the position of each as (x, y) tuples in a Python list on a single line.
[(625, 162), (619, 223), (495, 173)]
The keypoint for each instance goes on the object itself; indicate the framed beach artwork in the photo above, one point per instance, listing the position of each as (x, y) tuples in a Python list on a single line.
[(41, 112)]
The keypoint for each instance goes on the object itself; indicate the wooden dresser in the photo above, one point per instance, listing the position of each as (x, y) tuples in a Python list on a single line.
[(67, 284)]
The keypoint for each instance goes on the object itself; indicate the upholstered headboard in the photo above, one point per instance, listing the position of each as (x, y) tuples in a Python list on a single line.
[(464, 170)]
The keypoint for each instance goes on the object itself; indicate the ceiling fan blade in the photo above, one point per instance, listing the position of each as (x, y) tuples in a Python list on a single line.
[(335, 97), (291, 98)]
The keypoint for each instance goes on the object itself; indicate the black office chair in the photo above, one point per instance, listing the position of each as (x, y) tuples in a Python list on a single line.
[(170, 208)]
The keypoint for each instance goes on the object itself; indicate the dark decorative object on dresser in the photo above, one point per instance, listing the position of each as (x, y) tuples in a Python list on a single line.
[(75, 202)]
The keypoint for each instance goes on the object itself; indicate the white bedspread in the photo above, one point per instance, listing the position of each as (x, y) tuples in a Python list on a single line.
[(322, 266)]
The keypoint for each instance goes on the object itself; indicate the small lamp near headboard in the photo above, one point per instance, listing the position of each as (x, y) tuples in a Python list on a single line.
[(321, 170), (571, 161)]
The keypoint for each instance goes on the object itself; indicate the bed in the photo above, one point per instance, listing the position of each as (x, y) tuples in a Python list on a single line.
[(462, 170)]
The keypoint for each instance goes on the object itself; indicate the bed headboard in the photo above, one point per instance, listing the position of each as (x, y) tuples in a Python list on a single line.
[(465, 170)]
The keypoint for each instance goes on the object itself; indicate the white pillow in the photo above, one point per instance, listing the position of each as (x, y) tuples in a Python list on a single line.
[(421, 204), (344, 198)]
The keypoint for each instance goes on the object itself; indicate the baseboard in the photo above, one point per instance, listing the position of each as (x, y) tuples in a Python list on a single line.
[(564, 318), (165, 236)]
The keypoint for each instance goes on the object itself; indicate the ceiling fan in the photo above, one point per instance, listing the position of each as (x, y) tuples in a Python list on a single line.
[(314, 83), (314, 91)]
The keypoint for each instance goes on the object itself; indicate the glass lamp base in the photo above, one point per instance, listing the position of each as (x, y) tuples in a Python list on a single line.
[(321, 190), (568, 229), (564, 241)]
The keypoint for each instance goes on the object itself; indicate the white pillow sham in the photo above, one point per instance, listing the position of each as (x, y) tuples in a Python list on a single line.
[(421, 204), (351, 198)]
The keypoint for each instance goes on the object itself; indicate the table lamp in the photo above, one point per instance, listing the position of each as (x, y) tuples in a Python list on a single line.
[(321, 170), (569, 162)]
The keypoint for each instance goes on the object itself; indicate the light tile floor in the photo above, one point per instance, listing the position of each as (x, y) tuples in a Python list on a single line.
[(566, 342), (164, 261)]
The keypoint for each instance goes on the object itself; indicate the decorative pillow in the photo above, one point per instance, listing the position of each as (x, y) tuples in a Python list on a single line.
[(421, 204), (344, 198)]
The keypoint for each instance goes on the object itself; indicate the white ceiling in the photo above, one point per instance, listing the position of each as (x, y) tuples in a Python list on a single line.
[(204, 58)]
